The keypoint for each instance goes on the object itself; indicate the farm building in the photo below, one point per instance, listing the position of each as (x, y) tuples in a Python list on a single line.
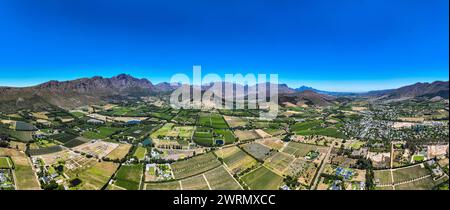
[(94, 121)]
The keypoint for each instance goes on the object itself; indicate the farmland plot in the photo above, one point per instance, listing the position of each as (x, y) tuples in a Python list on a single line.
[(93, 176), (257, 150), (26, 178), (279, 162), (195, 165), (235, 159), (5, 163), (129, 176), (119, 152), (245, 135), (300, 149), (262, 179), (409, 173), (234, 122), (274, 143), (383, 177), (174, 185), (220, 179), (195, 183)]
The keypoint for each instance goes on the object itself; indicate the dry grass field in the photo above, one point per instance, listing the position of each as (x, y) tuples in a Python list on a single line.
[(119, 152)]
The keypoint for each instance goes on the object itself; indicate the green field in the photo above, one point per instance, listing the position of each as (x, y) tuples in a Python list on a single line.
[(316, 127), (94, 176), (227, 135), (5, 163), (218, 122), (129, 176), (212, 120), (262, 179), (162, 132), (418, 158), (24, 136), (140, 153), (101, 133), (204, 119), (204, 137), (300, 149)]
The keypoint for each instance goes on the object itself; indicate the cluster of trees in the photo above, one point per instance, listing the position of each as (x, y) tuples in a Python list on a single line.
[(4, 141)]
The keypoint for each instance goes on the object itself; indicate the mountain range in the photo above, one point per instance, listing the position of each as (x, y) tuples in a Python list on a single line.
[(88, 91)]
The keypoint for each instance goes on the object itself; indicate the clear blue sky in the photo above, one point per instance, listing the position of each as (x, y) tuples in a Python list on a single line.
[(345, 45)]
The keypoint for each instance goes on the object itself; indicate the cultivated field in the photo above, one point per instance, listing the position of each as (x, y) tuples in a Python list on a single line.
[(220, 179), (279, 162), (119, 152), (300, 149), (174, 185), (262, 179), (26, 178), (383, 177), (234, 122), (5, 163), (129, 176), (195, 165), (212, 120), (172, 131), (195, 183), (226, 135), (93, 176), (274, 132), (274, 143), (204, 136), (245, 135), (257, 150), (101, 133), (140, 153), (422, 184), (409, 173), (235, 159)]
